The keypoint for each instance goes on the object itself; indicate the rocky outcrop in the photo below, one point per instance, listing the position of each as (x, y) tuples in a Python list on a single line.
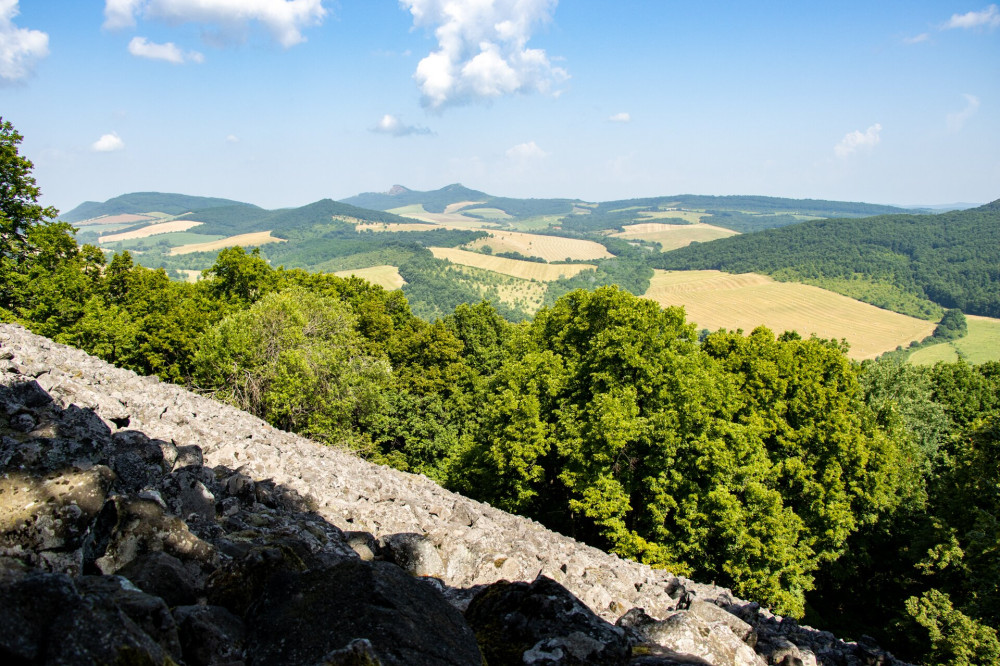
[(140, 523)]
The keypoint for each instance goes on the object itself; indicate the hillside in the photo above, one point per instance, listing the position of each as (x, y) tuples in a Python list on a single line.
[(906, 263), (144, 202), (296, 517)]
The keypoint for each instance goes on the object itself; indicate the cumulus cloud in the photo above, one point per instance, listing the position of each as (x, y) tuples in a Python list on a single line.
[(987, 18), (621, 118), (142, 48), (232, 138), (917, 39), (482, 50), (284, 19), (108, 143), (957, 120), (857, 140), (20, 48), (526, 151), (393, 126)]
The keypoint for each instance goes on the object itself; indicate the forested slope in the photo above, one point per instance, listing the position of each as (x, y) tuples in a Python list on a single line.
[(950, 259), (143, 202)]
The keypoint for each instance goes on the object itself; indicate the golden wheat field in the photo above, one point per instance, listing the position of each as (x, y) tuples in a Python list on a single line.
[(526, 270), (121, 218), (447, 220), (244, 240), (387, 277), (390, 226), (459, 205), (151, 230), (714, 300), (688, 215), (673, 236), (549, 248)]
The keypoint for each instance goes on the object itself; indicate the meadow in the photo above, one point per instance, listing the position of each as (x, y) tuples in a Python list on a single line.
[(151, 230), (714, 300), (526, 270), (981, 344)]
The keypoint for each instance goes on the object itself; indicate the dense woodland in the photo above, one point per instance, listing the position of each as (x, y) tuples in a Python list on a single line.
[(862, 497)]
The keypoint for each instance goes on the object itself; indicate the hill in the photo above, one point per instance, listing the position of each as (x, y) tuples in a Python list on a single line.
[(914, 264), (434, 201), (144, 202)]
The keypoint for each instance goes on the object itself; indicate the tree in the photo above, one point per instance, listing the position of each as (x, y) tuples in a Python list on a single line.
[(20, 212)]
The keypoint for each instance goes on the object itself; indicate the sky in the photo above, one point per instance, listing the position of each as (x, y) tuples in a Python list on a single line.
[(284, 102)]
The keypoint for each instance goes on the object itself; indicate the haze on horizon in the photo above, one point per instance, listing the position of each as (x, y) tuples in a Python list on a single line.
[(281, 103)]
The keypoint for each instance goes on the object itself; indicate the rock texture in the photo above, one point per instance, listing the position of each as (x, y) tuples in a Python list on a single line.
[(140, 523)]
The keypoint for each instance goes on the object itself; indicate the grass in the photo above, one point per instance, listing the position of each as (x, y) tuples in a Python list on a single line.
[(387, 277), (385, 226), (519, 294), (525, 270), (714, 300), (982, 344), (535, 223), (673, 236), (244, 240), (151, 230), (488, 213), (549, 248), (459, 205), (121, 218)]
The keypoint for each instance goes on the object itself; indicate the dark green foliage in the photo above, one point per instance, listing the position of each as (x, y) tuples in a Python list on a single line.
[(435, 288), (632, 275), (941, 258), (287, 223), (433, 202), (519, 257), (952, 326), (145, 202)]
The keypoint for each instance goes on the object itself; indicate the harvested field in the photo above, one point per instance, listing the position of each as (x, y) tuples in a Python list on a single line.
[(387, 277), (151, 230), (190, 275), (982, 344), (243, 240), (549, 248), (687, 215), (459, 205), (123, 218), (714, 300), (446, 220), (673, 236), (384, 226), (526, 270)]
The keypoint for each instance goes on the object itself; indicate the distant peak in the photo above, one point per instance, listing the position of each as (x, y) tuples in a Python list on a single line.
[(396, 190)]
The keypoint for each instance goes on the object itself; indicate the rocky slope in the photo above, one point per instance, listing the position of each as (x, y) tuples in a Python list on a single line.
[(141, 523)]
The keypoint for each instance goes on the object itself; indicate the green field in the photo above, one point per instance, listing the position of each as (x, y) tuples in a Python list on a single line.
[(980, 345)]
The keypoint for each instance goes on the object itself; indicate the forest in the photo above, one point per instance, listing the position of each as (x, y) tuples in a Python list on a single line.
[(862, 498)]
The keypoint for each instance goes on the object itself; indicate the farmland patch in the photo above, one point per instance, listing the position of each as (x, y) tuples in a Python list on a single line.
[(981, 344), (714, 300), (243, 240), (387, 277), (549, 248), (151, 230), (673, 236), (526, 270)]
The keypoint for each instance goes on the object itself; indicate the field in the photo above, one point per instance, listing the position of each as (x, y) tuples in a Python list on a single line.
[(524, 295), (172, 239), (151, 230), (714, 300), (687, 215), (673, 236), (526, 270), (244, 240), (447, 220), (549, 248), (386, 226), (488, 213), (387, 277), (980, 345), (459, 205), (123, 218)]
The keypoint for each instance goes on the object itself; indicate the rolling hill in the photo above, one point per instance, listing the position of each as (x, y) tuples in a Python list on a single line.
[(144, 202)]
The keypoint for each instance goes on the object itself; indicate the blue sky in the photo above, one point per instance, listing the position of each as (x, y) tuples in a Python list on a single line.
[(281, 103)]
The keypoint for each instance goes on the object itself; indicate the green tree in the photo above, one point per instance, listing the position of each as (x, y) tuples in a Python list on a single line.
[(20, 212)]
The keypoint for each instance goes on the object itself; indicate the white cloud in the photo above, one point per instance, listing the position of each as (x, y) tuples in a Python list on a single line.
[(622, 117), (142, 48), (957, 120), (526, 151), (857, 140), (987, 18), (232, 138), (482, 50), (390, 124), (108, 143), (284, 19), (917, 39), (20, 48)]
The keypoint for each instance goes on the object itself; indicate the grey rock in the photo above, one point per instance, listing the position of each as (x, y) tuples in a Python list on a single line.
[(414, 553), (209, 635), (687, 633), (542, 623)]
